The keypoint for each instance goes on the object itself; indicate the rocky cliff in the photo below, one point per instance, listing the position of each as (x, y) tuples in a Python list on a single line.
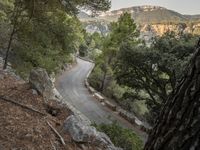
[(151, 21)]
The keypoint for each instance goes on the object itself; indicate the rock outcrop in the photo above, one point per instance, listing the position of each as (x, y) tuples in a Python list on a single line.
[(40, 81), (81, 132), (77, 125), (9, 70)]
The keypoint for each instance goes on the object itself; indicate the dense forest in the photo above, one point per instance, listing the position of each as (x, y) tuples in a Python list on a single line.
[(159, 82), (42, 33)]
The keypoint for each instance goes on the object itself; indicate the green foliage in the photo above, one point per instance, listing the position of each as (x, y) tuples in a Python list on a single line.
[(121, 31), (83, 50), (42, 33), (149, 74), (102, 77), (96, 77), (91, 46), (155, 70), (97, 40), (48, 43), (114, 90), (121, 137)]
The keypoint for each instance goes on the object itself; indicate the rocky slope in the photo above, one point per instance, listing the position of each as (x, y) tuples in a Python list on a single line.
[(24, 115), (34, 116), (151, 21)]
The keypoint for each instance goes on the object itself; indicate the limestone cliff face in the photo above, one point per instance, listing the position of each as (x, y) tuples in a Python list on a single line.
[(160, 29), (147, 31)]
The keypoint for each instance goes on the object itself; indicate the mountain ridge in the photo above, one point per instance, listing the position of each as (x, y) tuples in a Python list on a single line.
[(144, 14), (151, 20), (151, 7)]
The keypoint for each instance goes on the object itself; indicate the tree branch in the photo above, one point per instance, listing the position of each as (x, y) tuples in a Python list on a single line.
[(22, 105), (56, 132)]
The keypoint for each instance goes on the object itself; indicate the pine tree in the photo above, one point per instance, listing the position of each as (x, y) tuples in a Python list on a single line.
[(177, 127)]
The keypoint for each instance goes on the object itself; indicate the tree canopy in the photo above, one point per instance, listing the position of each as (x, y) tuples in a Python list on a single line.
[(120, 32), (43, 33), (177, 126), (138, 72), (154, 70)]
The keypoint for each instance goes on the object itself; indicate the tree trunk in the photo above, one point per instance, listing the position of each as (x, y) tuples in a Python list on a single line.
[(8, 49), (178, 126), (105, 73), (103, 81)]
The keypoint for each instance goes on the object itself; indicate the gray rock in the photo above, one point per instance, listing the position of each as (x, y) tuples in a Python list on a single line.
[(41, 82), (34, 92), (53, 77), (81, 132)]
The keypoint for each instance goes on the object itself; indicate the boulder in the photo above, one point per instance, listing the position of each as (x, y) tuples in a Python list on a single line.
[(34, 92), (41, 82), (81, 132)]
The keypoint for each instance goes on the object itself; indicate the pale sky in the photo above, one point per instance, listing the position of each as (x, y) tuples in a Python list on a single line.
[(189, 7)]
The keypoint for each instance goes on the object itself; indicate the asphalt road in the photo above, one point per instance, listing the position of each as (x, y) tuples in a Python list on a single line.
[(71, 86)]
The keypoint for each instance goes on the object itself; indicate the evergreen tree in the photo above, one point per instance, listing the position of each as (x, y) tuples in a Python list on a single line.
[(177, 127)]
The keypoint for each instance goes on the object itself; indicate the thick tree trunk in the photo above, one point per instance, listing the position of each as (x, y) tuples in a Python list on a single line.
[(178, 127)]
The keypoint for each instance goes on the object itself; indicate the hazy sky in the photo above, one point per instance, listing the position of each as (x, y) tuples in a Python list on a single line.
[(181, 6)]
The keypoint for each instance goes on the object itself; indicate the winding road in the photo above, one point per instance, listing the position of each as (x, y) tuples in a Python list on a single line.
[(71, 86)]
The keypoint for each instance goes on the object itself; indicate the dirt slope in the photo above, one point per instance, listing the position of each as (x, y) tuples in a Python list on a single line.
[(25, 129)]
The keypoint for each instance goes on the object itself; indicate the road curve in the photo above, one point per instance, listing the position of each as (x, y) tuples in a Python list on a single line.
[(71, 86)]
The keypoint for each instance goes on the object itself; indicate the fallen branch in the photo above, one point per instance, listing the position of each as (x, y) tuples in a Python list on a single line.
[(22, 105), (56, 132)]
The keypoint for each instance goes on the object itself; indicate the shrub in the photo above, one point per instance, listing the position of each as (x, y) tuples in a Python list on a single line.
[(121, 137)]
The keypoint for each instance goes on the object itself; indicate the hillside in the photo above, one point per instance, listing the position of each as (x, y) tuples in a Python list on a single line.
[(151, 20), (34, 116), (24, 116), (149, 14)]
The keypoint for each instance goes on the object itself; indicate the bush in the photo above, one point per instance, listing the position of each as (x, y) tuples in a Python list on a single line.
[(121, 137), (95, 78), (83, 50), (114, 90)]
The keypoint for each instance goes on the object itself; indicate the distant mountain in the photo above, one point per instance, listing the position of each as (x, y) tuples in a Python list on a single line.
[(147, 14), (193, 17), (151, 20)]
